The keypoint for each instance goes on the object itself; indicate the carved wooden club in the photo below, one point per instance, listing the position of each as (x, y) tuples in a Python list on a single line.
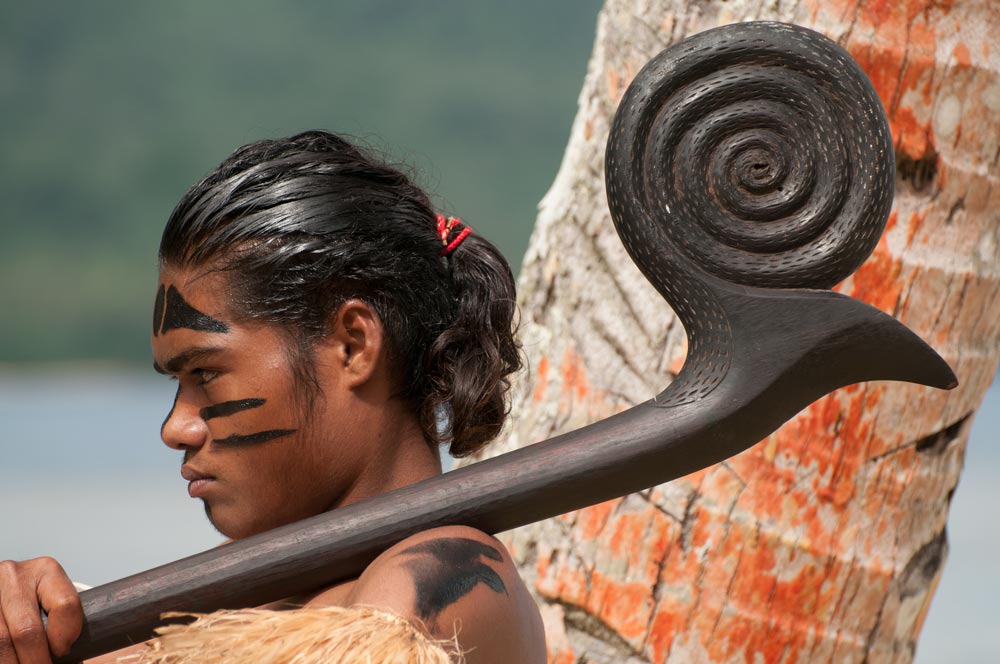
[(749, 169)]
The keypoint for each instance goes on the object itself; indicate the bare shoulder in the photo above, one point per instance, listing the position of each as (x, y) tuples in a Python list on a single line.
[(456, 580)]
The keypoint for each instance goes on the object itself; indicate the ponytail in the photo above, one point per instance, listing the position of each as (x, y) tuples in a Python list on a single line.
[(470, 362)]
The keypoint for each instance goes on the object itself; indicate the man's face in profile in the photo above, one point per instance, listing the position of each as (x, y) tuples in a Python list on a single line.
[(252, 444)]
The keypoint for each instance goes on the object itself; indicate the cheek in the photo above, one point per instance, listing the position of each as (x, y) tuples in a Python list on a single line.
[(266, 487), (239, 421), (285, 467), (311, 468)]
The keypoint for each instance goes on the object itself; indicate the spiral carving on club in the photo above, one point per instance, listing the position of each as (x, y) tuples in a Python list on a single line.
[(754, 155)]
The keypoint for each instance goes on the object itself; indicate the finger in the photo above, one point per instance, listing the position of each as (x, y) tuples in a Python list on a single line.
[(8, 577), (62, 602), (7, 655), (22, 617)]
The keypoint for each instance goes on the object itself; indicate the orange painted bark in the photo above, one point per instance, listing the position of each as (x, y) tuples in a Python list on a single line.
[(823, 542)]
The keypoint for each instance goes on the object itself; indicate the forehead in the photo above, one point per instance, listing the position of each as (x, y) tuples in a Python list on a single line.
[(188, 300), (190, 319), (192, 322)]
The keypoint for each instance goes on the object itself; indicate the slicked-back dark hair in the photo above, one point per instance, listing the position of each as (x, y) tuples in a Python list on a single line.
[(305, 223)]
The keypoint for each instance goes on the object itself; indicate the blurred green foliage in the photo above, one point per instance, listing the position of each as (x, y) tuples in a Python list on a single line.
[(110, 110)]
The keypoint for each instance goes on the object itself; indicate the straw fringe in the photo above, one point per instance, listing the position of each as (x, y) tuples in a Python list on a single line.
[(353, 635)]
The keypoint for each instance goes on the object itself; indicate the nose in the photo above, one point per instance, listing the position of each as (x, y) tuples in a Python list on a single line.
[(183, 428)]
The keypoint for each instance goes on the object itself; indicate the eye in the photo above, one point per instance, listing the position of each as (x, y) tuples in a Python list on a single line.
[(204, 376)]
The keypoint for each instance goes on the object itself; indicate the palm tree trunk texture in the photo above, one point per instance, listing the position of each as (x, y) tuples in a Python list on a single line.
[(825, 541)]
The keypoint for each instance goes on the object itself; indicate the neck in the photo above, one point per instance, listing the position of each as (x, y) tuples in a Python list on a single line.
[(404, 458)]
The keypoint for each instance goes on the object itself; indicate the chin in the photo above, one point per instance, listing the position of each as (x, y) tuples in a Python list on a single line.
[(237, 526), (229, 525)]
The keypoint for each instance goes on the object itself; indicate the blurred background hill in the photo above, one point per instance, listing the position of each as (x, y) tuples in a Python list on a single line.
[(110, 110)]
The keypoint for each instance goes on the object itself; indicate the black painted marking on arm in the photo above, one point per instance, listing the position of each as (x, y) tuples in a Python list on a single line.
[(237, 440), (445, 570), (181, 315), (226, 408), (171, 413), (158, 310)]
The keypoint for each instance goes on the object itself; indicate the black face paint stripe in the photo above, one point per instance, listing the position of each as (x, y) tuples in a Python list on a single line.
[(163, 426), (445, 570), (181, 315), (253, 438), (158, 310), (227, 408)]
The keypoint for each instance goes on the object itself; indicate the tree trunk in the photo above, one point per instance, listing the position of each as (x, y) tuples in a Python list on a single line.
[(826, 540)]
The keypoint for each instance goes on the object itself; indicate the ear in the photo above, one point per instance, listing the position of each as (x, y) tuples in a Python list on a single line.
[(356, 341)]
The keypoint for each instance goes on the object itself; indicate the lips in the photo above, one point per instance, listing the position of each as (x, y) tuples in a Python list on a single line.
[(199, 483)]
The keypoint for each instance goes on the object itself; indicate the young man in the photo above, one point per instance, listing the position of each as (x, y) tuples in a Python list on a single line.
[(327, 331)]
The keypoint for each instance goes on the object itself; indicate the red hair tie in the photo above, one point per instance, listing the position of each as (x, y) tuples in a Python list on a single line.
[(445, 227)]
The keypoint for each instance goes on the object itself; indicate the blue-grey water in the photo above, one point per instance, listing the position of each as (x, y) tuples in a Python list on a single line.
[(84, 478)]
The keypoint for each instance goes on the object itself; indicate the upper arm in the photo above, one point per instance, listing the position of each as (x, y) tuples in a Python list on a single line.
[(457, 582)]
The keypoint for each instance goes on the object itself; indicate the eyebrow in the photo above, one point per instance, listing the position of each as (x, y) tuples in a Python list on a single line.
[(177, 363)]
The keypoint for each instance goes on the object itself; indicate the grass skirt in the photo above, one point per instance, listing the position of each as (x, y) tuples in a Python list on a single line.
[(355, 635)]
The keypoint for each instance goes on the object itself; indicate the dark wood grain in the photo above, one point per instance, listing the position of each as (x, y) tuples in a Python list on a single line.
[(763, 344)]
